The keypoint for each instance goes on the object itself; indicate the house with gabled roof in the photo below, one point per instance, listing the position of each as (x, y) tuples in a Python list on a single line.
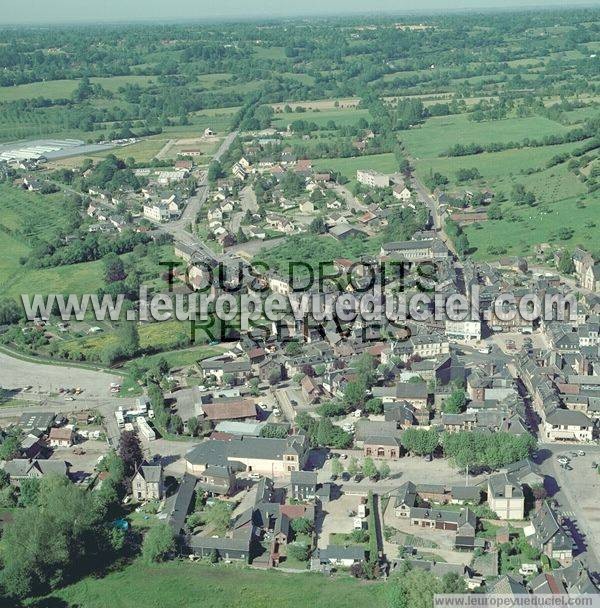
[(148, 482), (547, 534)]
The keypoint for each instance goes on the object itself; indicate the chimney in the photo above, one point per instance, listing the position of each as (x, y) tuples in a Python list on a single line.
[(508, 491)]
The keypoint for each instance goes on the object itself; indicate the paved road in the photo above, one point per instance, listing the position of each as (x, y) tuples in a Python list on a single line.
[(577, 493), (180, 229), (433, 207)]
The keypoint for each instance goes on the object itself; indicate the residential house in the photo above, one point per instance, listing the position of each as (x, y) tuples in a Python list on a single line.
[(339, 555), (220, 369), (218, 480), (30, 468), (303, 485), (505, 497), (148, 482), (402, 193), (62, 437), (547, 534)]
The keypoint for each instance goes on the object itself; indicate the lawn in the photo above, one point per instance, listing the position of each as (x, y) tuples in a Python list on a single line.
[(184, 357), (187, 585), (384, 163), (440, 133)]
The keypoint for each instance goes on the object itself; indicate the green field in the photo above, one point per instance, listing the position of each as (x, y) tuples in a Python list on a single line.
[(526, 227), (11, 249), (492, 166), (342, 117), (187, 585), (438, 134), (59, 89), (384, 163), (75, 278)]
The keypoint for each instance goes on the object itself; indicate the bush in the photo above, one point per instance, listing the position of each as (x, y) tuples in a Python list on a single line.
[(298, 551)]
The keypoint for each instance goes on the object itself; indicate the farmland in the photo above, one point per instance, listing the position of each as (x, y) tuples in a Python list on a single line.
[(341, 117), (438, 134)]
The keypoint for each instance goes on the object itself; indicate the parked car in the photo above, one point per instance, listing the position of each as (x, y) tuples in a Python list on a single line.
[(581, 453), (345, 476)]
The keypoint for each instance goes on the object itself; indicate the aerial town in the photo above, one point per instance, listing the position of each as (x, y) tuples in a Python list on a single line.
[(393, 458)]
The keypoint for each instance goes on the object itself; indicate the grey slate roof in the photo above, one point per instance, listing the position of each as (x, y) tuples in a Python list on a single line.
[(340, 552), (218, 452)]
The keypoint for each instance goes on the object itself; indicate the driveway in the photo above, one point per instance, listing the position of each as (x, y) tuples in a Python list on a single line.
[(336, 517)]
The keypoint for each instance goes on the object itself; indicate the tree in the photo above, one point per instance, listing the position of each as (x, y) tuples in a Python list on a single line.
[(420, 441), (63, 529), (193, 425), (331, 409), (355, 393), (129, 339), (374, 406), (10, 311), (274, 431), (219, 516), (337, 468), (175, 424), (326, 434), (301, 525), (29, 492), (317, 226), (254, 387), (10, 447), (456, 402), (130, 452), (4, 479), (274, 376), (565, 263), (368, 468), (384, 470), (114, 269), (413, 589), (353, 466), (298, 551), (475, 449), (158, 544)]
